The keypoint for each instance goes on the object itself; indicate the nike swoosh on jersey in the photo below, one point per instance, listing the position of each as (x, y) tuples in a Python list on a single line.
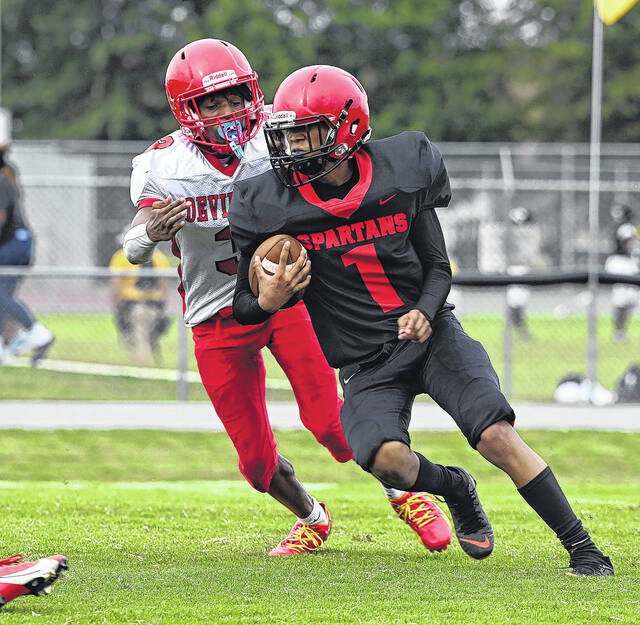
[(388, 199)]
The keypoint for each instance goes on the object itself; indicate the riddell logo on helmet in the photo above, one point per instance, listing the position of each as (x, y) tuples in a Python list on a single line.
[(281, 117), (219, 80)]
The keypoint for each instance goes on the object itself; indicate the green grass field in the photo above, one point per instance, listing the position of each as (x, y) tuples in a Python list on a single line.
[(159, 529), (558, 347)]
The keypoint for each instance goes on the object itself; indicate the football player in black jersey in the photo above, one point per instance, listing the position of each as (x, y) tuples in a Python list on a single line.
[(376, 293)]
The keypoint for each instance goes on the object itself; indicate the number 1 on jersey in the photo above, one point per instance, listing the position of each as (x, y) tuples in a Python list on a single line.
[(366, 260)]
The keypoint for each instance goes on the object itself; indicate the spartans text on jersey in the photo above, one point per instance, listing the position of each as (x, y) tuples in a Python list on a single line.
[(356, 232)]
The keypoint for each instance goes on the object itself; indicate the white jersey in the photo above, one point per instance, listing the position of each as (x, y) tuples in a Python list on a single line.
[(208, 259)]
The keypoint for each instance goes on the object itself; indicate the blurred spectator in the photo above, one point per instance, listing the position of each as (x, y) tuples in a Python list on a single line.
[(23, 332), (625, 261), (517, 294), (621, 214), (517, 298), (139, 306)]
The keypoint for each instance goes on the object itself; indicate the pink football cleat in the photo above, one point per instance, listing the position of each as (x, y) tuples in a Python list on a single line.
[(421, 513), (304, 538), (19, 578)]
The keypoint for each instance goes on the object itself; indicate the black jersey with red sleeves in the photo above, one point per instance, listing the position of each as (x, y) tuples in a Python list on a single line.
[(365, 269)]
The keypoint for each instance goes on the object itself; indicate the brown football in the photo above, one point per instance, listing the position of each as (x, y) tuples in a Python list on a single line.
[(269, 252)]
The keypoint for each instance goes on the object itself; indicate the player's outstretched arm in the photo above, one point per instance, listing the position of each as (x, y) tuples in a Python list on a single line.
[(277, 289)]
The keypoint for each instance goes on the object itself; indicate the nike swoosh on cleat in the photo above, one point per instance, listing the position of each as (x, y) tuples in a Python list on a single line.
[(389, 198), (484, 543)]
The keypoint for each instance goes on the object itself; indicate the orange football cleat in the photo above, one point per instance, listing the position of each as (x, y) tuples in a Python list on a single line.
[(304, 538), (421, 513)]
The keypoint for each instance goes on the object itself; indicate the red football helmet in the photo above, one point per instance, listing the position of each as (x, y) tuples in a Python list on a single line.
[(201, 68), (307, 100)]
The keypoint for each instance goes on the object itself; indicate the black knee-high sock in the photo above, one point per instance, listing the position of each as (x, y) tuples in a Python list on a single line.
[(544, 495), (437, 479)]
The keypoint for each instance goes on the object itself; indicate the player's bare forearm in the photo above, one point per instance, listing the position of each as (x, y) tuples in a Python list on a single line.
[(163, 218), (414, 326)]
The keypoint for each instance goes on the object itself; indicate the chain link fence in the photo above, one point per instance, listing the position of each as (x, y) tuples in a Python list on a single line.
[(516, 209)]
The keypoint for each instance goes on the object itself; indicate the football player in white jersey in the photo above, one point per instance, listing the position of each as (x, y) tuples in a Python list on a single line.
[(182, 186)]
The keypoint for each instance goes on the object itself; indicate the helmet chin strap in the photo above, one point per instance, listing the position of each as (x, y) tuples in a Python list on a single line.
[(230, 132)]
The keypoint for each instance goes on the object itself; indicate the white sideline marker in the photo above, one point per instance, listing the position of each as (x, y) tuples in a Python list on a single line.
[(68, 366)]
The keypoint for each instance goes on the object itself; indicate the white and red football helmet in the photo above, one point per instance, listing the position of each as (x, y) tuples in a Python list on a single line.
[(314, 95), (207, 66)]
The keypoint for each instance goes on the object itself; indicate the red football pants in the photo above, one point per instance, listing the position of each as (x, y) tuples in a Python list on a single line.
[(233, 374)]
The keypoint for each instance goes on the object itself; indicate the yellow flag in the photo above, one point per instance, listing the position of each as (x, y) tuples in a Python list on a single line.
[(612, 10)]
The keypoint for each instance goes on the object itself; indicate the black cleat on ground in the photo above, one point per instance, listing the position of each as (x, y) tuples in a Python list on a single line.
[(472, 526), (589, 563)]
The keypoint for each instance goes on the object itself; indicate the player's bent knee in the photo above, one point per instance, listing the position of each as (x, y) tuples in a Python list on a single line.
[(498, 440), (392, 464), (498, 434), (482, 405)]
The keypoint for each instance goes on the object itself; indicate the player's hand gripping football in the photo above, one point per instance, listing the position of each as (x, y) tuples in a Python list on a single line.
[(277, 289), (414, 326), (166, 218)]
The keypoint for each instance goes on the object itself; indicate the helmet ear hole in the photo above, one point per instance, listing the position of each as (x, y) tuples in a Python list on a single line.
[(340, 150), (354, 126)]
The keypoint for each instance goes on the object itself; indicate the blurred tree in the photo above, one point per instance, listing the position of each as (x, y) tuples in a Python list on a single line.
[(458, 69), (88, 69), (549, 45)]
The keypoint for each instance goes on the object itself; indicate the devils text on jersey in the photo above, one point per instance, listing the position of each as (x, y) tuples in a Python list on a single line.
[(208, 259)]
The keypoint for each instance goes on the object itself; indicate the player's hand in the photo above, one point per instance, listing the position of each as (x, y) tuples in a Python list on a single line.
[(414, 326), (166, 218), (277, 289)]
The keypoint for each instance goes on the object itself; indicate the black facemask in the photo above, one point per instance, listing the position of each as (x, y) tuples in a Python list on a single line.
[(312, 166)]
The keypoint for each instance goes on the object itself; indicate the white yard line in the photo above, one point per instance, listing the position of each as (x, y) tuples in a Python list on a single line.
[(147, 373), (200, 416), (196, 486)]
